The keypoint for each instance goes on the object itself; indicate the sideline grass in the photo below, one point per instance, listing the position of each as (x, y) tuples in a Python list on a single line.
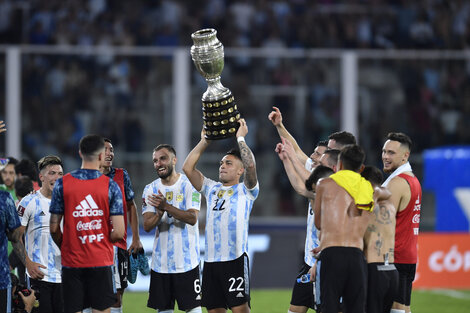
[(277, 301)]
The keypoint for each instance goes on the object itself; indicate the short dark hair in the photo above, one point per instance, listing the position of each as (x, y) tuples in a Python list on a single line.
[(319, 172), (13, 161), (352, 157), (402, 138), (107, 140), (23, 186), (373, 174), (90, 145), (26, 167), (333, 156), (165, 146), (49, 160), (343, 138), (235, 153), (322, 143)]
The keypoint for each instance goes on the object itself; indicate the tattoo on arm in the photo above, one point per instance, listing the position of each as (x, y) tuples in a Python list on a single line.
[(249, 163), (383, 215)]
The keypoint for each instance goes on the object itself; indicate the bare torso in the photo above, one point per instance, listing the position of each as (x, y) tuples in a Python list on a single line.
[(341, 223), (379, 239)]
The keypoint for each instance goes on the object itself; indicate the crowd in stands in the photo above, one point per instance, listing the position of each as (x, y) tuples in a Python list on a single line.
[(438, 24)]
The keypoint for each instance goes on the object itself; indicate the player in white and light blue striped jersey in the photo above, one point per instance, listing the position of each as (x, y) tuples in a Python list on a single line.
[(171, 205), (43, 261), (225, 275), (176, 245), (228, 212), (34, 216)]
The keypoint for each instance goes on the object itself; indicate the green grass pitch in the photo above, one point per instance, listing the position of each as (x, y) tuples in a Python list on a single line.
[(277, 301)]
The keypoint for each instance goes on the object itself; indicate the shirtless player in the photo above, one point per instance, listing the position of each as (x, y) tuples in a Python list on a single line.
[(342, 215), (379, 243)]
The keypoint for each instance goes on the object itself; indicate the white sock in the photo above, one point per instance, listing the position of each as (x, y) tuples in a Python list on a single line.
[(397, 311), (289, 311), (166, 311), (116, 310), (87, 310), (195, 310)]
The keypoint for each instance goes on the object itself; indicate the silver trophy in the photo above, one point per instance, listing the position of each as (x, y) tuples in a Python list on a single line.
[(220, 113)]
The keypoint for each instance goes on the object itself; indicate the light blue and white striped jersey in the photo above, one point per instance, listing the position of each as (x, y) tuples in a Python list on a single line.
[(34, 215), (311, 240), (228, 213), (176, 244)]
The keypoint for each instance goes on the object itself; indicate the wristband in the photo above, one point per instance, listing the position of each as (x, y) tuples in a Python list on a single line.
[(240, 139)]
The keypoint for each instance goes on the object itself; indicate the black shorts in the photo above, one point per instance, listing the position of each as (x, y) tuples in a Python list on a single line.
[(5, 300), (382, 286), (88, 287), (184, 288), (406, 275), (302, 293), (226, 284), (121, 267), (51, 298), (343, 273)]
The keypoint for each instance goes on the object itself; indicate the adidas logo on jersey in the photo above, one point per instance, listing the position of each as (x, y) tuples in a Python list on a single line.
[(240, 295), (87, 207), (198, 297)]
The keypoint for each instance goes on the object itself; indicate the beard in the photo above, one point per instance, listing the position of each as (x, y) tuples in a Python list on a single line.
[(168, 172)]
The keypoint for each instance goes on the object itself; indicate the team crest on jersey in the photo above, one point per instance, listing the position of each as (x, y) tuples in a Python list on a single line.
[(169, 195), (220, 194), (230, 192), (21, 210), (179, 198)]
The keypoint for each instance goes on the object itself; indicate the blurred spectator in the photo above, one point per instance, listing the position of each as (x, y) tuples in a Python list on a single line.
[(27, 168)]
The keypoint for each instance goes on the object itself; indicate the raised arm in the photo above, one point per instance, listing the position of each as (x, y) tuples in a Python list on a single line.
[(296, 181), (248, 159), (189, 166), (276, 118), (298, 166)]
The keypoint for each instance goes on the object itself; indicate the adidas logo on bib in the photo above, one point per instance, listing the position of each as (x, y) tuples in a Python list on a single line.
[(87, 207), (198, 297), (240, 295)]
